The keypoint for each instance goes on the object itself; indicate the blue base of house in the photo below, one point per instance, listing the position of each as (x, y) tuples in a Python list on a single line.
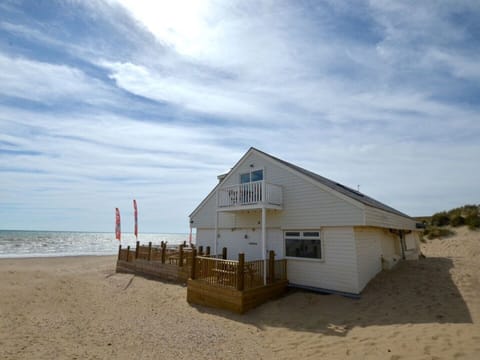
[(325, 291)]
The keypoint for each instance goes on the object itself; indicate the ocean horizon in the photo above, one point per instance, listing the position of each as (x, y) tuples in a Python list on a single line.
[(44, 243)]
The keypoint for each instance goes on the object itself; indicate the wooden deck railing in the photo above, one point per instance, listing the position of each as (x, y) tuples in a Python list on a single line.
[(238, 274), (179, 255), (211, 269)]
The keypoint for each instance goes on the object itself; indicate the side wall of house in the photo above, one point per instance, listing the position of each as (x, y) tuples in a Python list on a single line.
[(369, 243), (372, 244), (377, 217), (338, 269)]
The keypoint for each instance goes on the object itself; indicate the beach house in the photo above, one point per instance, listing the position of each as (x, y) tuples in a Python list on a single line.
[(334, 238)]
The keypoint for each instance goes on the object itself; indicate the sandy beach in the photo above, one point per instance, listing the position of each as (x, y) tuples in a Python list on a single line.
[(79, 308)]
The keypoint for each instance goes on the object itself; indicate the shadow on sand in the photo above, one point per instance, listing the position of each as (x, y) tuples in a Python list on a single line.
[(413, 293)]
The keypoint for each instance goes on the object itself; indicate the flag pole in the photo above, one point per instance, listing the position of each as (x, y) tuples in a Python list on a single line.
[(135, 213)]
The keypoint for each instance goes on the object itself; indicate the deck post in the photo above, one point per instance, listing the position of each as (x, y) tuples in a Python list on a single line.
[(163, 252), (149, 251), (207, 251), (128, 253), (200, 250), (137, 249), (271, 266), (240, 271), (264, 245), (180, 256), (194, 260), (224, 253), (119, 251)]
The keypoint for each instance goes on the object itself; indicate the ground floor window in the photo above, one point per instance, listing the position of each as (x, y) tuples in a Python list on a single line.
[(303, 244)]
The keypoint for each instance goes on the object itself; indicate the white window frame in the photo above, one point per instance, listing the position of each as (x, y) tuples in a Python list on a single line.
[(302, 237)]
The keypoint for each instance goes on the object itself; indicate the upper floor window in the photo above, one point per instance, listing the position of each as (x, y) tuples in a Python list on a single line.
[(256, 175)]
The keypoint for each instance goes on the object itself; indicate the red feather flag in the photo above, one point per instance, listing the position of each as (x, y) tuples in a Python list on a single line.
[(117, 224), (135, 231)]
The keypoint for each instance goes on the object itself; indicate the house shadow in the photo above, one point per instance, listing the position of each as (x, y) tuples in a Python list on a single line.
[(415, 292)]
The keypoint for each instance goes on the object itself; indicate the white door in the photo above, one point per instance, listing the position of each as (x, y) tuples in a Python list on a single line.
[(244, 241)]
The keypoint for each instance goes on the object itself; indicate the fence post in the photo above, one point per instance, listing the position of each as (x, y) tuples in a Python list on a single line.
[(240, 271), (128, 253), (149, 251), (119, 251), (180, 256), (137, 249), (194, 260), (163, 252), (271, 266), (200, 250), (207, 251), (224, 253)]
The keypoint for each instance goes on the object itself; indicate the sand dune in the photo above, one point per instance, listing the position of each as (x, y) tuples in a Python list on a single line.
[(78, 308)]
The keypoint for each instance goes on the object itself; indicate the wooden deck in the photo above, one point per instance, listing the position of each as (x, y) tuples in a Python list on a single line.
[(235, 285), (159, 262), (202, 293)]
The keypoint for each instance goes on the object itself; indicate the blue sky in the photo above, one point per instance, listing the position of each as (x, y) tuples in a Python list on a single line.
[(102, 102)]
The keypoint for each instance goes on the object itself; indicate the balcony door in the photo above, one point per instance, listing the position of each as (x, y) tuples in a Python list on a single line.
[(251, 187)]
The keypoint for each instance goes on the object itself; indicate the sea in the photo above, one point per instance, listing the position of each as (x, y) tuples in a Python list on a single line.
[(21, 244)]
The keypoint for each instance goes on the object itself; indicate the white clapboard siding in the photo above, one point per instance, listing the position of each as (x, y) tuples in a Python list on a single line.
[(305, 204), (369, 252), (338, 270), (205, 217), (235, 241), (390, 244), (275, 242), (377, 217), (205, 237)]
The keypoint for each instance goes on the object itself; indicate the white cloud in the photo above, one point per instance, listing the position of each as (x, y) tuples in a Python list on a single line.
[(219, 98), (47, 83), (234, 75), (461, 66)]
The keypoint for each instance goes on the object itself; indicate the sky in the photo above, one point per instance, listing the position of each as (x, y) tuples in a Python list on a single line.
[(103, 102)]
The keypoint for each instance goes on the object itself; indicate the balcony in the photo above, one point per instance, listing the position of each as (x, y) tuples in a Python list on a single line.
[(252, 195)]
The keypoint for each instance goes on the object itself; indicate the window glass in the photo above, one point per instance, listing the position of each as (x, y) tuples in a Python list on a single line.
[(257, 175), (244, 178), (305, 244), (292, 233)]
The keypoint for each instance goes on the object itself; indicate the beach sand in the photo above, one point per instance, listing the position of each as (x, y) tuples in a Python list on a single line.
[(78, 308)]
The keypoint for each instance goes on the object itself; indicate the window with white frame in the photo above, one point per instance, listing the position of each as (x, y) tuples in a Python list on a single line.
[(303, 244), (252, 176)]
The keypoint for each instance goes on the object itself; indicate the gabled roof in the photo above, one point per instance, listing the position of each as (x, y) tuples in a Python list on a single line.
[(342, 189), (345, 190)]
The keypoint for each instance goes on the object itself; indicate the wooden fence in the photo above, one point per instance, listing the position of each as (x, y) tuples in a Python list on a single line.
[(212, 280), (236, 285), (164, 262), (238, 274)]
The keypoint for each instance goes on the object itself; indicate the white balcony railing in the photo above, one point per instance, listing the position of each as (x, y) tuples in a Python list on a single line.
[(258, 192)]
